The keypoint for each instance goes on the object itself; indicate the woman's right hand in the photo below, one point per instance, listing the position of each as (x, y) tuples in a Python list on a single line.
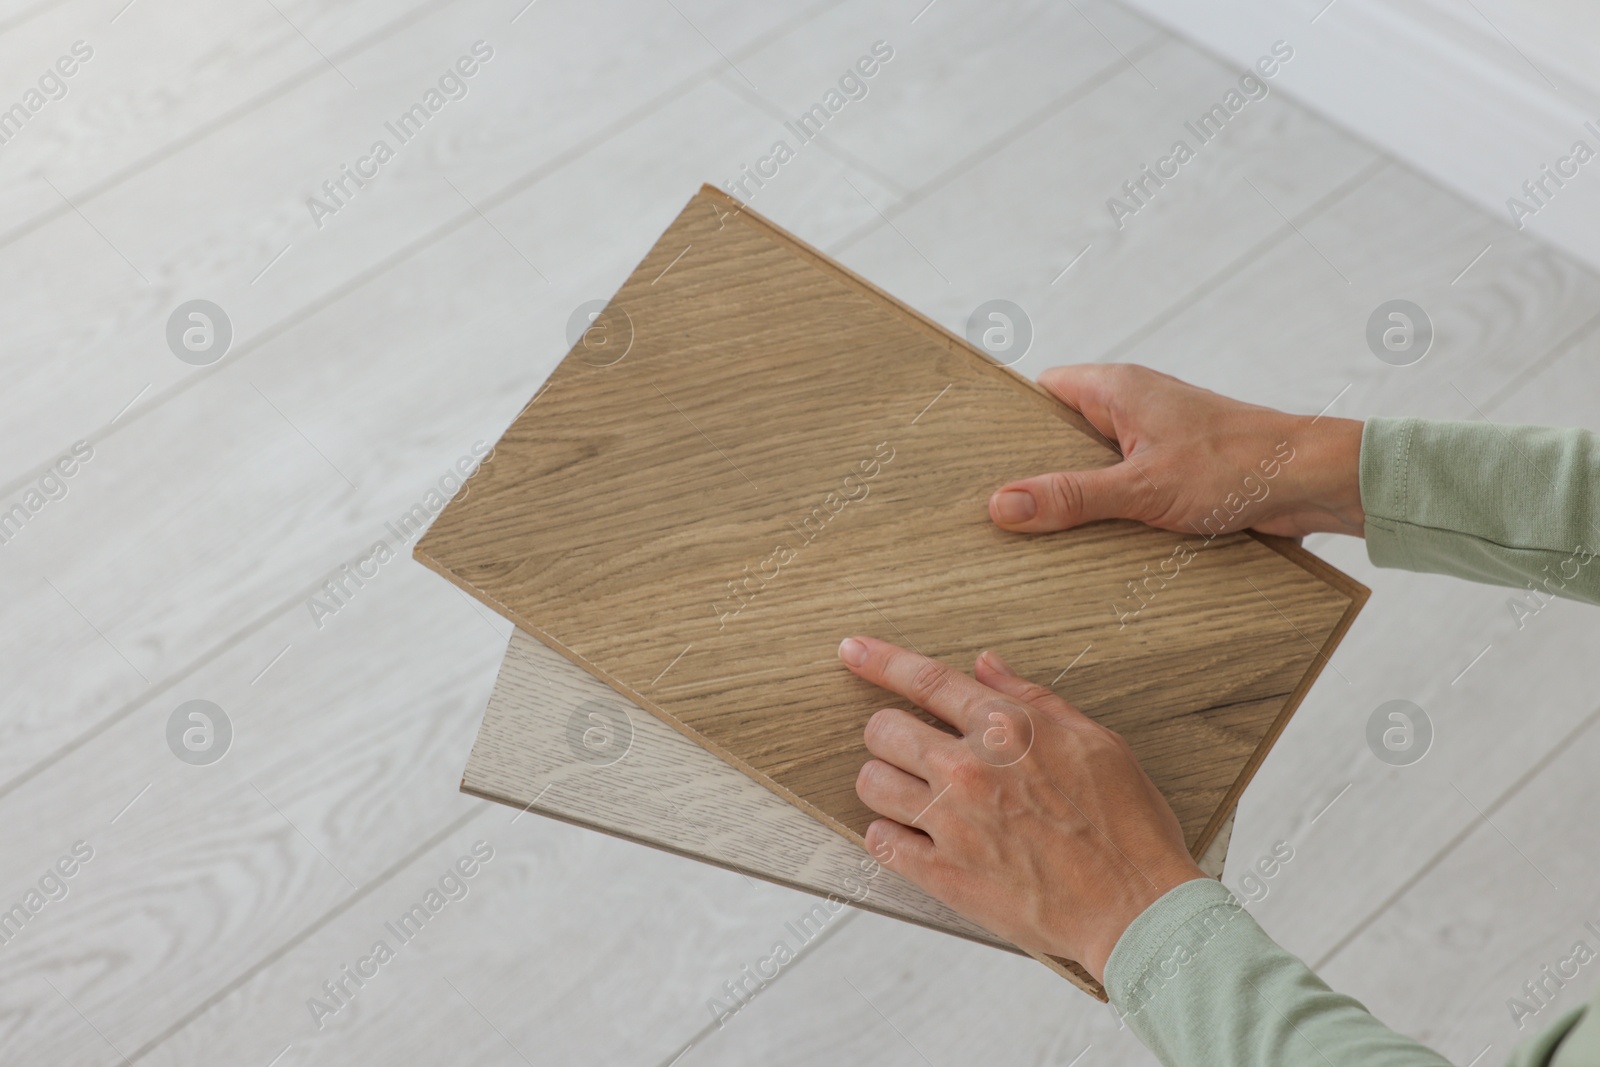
[(1193, 461)]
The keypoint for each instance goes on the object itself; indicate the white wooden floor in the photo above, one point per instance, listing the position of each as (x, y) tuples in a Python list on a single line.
[(371, 353)]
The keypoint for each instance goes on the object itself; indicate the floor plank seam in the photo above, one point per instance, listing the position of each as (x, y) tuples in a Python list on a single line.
[(1538, 366), (811, 948), (1082, 91), (1330, 199), (1356, 135), (223, 121), (382, 879), (1456, 840), (157, 688), (839, 153), (515, 188)]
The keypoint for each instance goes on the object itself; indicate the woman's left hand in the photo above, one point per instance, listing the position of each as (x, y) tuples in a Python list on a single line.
[(1035, 822)]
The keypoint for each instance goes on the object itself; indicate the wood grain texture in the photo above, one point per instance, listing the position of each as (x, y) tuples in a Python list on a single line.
[(800, 438), (558, 742)]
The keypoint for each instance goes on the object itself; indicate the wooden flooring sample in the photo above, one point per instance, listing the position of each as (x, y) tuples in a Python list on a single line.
[(558, 742), (772, 454)]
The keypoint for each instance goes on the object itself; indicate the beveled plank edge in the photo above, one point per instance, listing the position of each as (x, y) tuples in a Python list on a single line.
[(937, 332), (1067, 968), (749, 872), (519, 728)]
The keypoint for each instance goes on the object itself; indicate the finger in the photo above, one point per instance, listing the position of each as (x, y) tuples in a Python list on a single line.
[(900, 738), (1066, 499), (996, 664), (936, 687), (901, 849), (997, 674), (1089, 389), (888, 790)]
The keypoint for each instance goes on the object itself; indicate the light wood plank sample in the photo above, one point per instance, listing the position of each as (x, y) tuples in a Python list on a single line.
[(782, 455), (558, 742)]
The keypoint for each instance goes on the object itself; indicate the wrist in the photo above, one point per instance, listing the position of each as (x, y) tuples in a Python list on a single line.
[(1096, 952), (1326, 472)]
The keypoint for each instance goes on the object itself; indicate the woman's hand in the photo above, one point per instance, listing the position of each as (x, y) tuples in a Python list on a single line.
[(1187, 455), (1036, 822)]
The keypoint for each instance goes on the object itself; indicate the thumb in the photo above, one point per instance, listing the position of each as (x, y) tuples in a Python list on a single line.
[(1066, 499)]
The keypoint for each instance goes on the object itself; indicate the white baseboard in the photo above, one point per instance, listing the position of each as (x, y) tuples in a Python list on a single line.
[(1438, 88)]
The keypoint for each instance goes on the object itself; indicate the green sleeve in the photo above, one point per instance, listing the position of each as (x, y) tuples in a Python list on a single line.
[(1508, 505), (1201, 984), (1195, 977)]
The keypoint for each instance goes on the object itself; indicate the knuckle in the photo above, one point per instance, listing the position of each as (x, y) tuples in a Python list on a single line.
[(878, 727), (1032, 692), (1058, 712), (1102, 742), (1122, 376), (965, 774), (946, 761), (931, 677), (866, 777), (880, 842), (1065, 495)]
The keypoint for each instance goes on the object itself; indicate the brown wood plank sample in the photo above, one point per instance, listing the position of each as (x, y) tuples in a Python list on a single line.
[(773, 454), (558, 742)]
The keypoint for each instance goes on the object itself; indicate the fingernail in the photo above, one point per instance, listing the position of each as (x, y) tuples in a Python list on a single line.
[(852, 652), (999, 664), (1014, 506)]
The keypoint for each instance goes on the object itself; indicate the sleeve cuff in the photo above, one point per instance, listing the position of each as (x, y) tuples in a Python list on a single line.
[(1172, 928), (1386, 489)]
